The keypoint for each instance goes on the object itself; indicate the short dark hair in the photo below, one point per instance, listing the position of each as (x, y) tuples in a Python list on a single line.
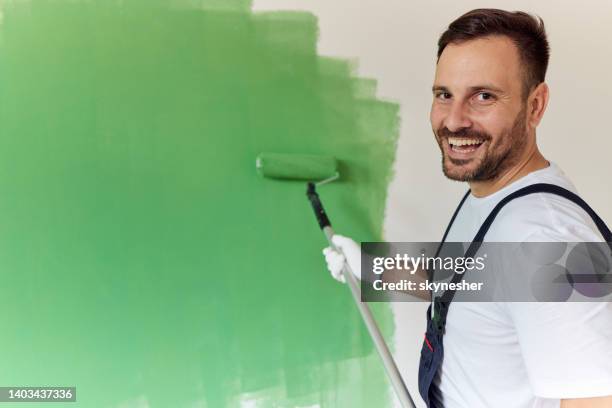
[(526, 31)]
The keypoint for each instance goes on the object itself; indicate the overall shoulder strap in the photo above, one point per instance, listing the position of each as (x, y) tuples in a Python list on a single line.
[(452, 220), (448, 227), (544, 188), (441, 306)]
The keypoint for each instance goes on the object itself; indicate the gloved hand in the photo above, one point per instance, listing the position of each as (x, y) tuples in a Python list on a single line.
[(350, 253)]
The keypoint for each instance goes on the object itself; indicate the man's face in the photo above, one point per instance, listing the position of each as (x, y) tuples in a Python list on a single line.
[(478, 114)]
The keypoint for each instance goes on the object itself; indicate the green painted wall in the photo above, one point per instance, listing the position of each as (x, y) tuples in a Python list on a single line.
[(142, 259)]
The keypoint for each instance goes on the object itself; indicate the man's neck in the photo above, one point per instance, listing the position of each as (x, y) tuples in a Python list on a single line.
[(530, 163)]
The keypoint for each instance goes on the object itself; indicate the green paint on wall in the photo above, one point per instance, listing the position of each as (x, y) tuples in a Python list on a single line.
[(142, 258)]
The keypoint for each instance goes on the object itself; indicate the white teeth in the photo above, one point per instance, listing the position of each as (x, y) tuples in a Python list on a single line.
[(455, 141)]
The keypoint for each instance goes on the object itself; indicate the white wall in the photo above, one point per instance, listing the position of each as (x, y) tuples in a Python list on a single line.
[(395, 43)]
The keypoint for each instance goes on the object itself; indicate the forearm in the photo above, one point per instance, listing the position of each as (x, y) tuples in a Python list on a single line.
[(598, 402)]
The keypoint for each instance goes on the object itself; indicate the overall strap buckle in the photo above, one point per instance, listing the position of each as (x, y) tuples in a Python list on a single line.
[(439, 316)]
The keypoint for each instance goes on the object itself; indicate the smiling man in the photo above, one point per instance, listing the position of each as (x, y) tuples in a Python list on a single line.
[(488, 140), (489, 95)]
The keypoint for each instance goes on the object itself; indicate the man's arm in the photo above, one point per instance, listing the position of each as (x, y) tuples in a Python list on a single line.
[(420, 276), (598, 402), (351, 254)]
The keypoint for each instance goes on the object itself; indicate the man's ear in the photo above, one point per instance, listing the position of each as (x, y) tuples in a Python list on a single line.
[(536, 103)]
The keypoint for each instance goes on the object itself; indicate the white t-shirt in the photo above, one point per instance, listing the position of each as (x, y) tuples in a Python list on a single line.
[(525, 354)]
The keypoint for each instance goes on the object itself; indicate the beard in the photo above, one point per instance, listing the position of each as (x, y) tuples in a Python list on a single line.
[(502, 152)]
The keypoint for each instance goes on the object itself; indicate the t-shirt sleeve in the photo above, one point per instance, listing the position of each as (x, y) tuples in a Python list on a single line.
[(566, 347)]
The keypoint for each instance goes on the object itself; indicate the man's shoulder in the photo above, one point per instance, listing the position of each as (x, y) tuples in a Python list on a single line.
[(544, 217)]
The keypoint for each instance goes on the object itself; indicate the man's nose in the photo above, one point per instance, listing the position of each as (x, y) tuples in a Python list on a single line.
[(457, 118)]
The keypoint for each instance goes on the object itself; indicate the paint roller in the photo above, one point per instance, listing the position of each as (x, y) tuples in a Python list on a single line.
[(319, 170)]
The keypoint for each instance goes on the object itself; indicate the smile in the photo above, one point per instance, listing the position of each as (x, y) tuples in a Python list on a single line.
[(463, 148)]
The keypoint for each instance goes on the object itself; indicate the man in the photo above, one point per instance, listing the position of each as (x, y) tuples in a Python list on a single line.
[(489, 96)]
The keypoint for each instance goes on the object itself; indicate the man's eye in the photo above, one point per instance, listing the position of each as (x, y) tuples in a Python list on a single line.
[(484, 96), (443, 95)]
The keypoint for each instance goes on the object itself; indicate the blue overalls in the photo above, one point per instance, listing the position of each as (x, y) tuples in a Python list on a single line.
[(432, 351)]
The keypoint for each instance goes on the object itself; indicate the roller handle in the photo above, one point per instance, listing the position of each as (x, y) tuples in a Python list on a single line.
[(317, 207), (390, 367)]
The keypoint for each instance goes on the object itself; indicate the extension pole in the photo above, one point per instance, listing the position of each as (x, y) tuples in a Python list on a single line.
[(383, 351)]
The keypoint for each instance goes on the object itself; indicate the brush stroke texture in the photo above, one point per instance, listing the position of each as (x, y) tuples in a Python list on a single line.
[(142, 258)]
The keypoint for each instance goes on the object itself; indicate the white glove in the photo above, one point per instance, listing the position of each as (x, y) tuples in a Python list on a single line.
[(349, 252)]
